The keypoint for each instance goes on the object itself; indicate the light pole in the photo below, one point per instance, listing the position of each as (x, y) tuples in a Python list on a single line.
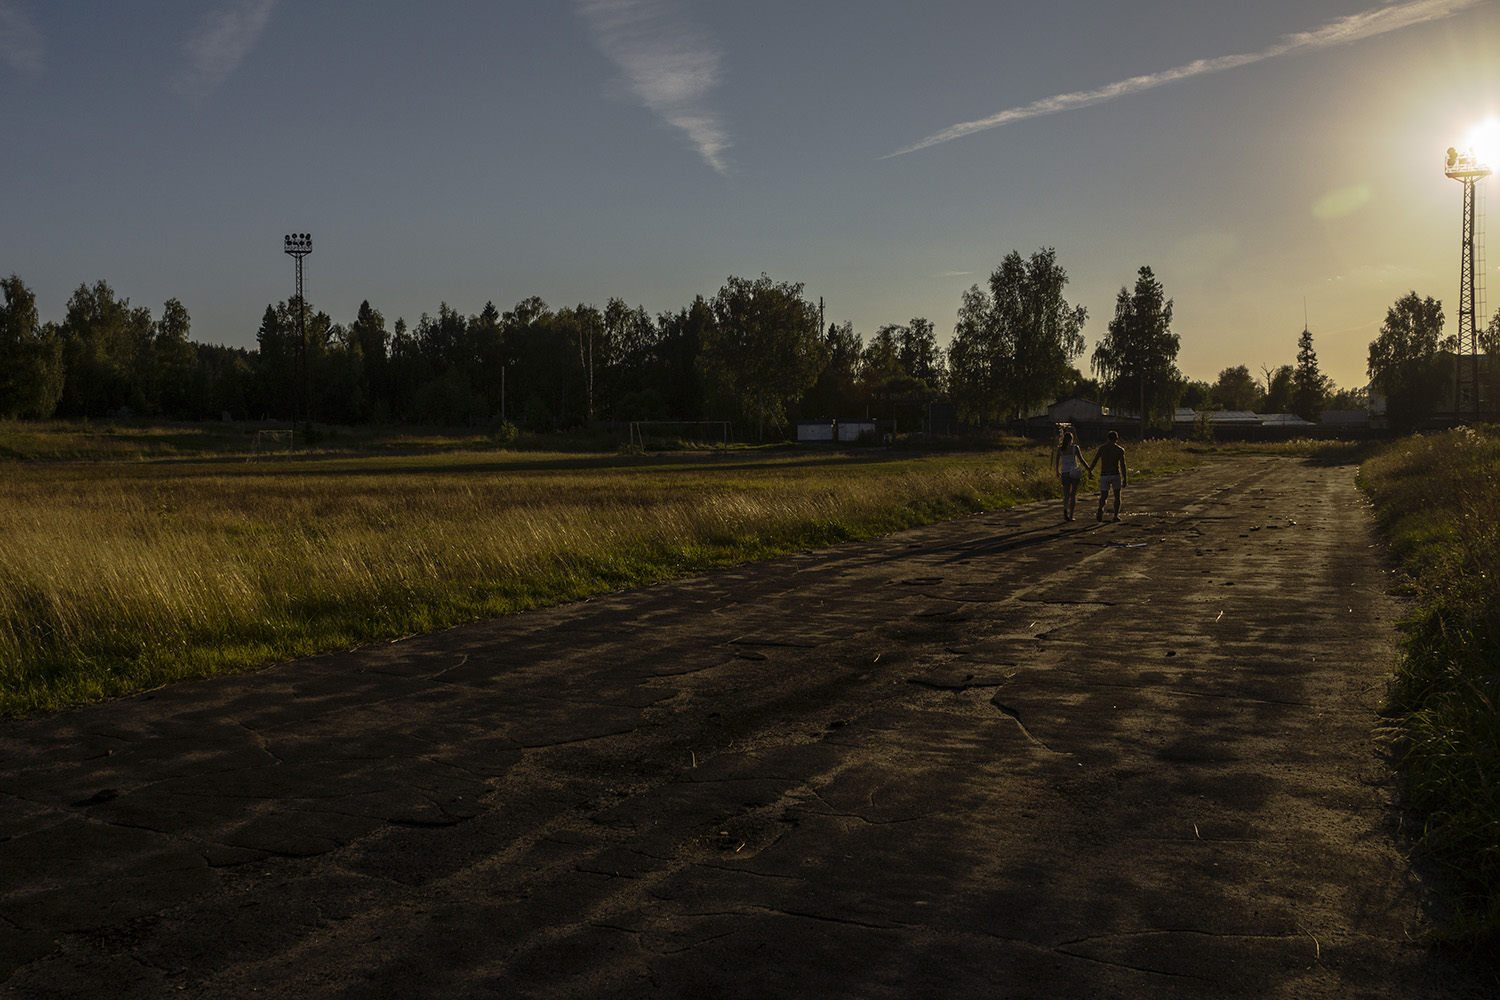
[(1468, 169), (299, 245)]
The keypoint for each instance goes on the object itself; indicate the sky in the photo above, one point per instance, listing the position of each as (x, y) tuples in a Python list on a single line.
[(1275, 163)]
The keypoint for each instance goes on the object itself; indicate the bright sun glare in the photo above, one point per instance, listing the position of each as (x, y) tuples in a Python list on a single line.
[(1484, 140)]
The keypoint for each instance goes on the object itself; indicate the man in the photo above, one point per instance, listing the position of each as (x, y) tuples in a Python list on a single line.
[(1111, 459)]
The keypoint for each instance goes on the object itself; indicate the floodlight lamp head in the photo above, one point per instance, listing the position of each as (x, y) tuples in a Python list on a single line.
[(1466, 166)]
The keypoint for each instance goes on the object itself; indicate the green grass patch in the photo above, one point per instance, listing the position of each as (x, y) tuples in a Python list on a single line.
[(1436, 498)]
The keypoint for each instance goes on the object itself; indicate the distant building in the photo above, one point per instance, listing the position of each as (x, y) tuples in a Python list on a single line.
[(1350, 419), (1288, 421), (1076, 411), (852, 430), (1187, 416), (813, 431), (846, 430)]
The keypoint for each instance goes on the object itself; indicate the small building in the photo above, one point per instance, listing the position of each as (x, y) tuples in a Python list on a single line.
[(850, 431), (1187, 416), (1284, 421), (1076, 410), (815, 431)]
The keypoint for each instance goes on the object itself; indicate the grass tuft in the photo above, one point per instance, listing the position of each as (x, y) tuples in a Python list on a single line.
[(1435, 498)]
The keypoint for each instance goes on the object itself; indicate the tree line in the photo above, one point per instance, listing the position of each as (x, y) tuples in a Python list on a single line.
[(756, 352)]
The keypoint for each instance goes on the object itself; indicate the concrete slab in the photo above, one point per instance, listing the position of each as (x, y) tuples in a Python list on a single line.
[(1003, 756)]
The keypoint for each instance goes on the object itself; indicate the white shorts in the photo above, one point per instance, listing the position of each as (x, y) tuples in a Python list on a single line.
[(1106, 483)]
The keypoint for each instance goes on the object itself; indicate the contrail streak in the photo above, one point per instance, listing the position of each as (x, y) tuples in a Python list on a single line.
[(667, 64), (220, 43), (1355, 27)]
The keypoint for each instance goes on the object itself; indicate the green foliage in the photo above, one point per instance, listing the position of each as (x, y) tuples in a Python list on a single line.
[(31, 362), (1435, 498), (1404, 362), (105, 349), (1196, 394), (763, 351), (1236, 389), (1137, 358), (1014, 345), (1278, 397), (1310, 387)]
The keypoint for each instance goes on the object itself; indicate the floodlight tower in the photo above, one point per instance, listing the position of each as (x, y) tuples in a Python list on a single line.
[(1468, 169), (299, 245)]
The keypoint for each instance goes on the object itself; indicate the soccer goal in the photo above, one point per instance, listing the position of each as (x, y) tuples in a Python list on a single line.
[(658, 435), (270, 441)]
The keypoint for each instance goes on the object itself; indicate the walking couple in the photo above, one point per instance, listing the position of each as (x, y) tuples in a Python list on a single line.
[(1072, 469)]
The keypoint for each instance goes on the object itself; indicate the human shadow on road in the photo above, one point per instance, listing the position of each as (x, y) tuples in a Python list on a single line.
[(1021, 539)]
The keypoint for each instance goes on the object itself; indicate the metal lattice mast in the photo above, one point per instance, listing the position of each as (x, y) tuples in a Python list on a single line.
[(299, 245), (1469, 171)]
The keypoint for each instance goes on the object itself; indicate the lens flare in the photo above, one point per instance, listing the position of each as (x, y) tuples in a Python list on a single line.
[(1484, 140)]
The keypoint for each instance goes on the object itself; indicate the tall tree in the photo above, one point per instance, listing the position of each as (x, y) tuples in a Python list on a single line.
[(978, 359), (369, 335), (1137, 359), (1015, 342), (919, 352), (1404, 359), (31, 361), (277, 365), (1310, 387), (836, 392), (1236, 389), (174, 361), (103, 340), (1278, 397), (764, 350), (681, 339), (1048, 332), (881, 361)]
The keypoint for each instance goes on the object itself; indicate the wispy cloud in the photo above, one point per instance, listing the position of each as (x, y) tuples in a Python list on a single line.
[(20, 42), (220, 43), (668, 64), (1355, 27)]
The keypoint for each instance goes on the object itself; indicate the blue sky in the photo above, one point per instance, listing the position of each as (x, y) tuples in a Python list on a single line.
[(1262, 158)]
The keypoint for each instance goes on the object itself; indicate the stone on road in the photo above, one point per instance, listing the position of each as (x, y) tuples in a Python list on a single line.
[(1000, 756)]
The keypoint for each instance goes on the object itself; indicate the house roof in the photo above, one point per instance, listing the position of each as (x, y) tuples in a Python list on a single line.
[(1188, 415)]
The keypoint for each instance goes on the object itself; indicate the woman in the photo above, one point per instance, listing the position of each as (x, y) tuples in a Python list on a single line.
[(1068, 464)]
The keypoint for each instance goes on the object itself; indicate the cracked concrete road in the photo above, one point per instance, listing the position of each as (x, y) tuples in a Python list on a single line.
[(998, 757)]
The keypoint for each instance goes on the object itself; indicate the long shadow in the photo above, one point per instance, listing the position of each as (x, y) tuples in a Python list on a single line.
[(960, 551), (383, 465), (1023, 539)]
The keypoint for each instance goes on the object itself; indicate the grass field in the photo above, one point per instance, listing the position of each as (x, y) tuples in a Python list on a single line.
[(141, 567), (1436, 498)]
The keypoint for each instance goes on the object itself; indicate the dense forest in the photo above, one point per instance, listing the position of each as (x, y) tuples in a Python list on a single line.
[(756, 352)]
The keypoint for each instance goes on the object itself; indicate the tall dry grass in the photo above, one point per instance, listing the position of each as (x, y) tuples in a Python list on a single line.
[(120, 576), (1438, 498)]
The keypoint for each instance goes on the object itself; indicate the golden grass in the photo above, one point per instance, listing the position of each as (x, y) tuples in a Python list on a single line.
[(121, 576)]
